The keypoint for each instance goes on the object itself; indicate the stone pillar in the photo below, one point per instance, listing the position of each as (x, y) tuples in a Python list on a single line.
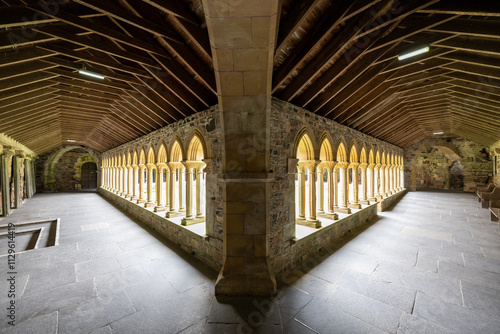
[(33, 178), (301, 180), (321, 188), (160, 202), (151, 200), (8, 153), (182, 207), (135, 171), (311, 217), (243, 36), (355, 186), (387, 180), (125, 181), (18, 159), (335, 187), (173, 212), (371, 183), (331, 188), (402, 172), (141, 199), (392, 183), (376, 181), (191, 216), (28, 176), (363, 198), (382, 181), (103, 177), (167, 188), (344, 185), (199, 175), (128, 172)]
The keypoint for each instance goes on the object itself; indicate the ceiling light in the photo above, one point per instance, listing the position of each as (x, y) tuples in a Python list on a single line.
[(91, 74), (414, 53), (439, 133), (71, 140)]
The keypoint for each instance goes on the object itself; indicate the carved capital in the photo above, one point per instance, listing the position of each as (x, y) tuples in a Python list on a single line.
[(363, 165), (342, 165), (354, 165)]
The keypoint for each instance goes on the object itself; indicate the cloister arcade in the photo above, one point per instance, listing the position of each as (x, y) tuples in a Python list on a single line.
[(167, 182), (329, 180)]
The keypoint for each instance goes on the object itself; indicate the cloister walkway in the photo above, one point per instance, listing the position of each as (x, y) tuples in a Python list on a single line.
[(430, 265)]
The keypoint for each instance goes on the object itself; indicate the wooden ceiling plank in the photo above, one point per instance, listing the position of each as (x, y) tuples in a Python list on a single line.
[(474, 8), (173, 7), (23, 55), (26, 98), (28, 79), (326, 25), (94, 81), (474, 44), (12, 93), (116, 93), (25, 69)]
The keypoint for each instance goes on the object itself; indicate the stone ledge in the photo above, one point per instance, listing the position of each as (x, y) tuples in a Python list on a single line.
[(203, 247)]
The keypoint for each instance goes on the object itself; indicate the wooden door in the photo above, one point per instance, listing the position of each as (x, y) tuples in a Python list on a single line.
[(89, 175)]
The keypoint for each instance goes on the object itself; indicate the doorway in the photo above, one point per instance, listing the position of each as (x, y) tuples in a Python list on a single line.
[(89, 175)]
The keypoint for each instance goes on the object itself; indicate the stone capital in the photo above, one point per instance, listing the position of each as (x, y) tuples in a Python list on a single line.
[(309, 164), (363, 165), (342, 165), (190, 165), (20, 154), (377, 166), (174, 165), (354, 165), (161, 165)]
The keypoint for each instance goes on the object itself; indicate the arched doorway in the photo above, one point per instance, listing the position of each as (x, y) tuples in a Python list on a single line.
[(456, 175), (89, 175)]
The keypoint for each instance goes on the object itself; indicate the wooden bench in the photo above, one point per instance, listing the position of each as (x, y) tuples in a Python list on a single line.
[(486, 197), (484, 189), (495, 212)]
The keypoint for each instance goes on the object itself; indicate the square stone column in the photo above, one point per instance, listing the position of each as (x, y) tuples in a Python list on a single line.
[(243, 37)]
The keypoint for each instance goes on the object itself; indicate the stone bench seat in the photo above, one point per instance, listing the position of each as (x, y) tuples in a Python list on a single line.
[(495, 211)]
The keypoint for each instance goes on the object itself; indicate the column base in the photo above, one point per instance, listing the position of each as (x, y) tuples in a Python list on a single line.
[(343, 210), (149, 204), (372, 199), (309, 223), (331, 215), (379, 197), (134, 198), (364, 201), (140, 201), (355, 205), (128, 196), (251, 284), (122, 194), (173, 214), (192, 221), (159, 208)]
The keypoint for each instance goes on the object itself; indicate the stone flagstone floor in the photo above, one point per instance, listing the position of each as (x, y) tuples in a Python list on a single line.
[(430, 265)]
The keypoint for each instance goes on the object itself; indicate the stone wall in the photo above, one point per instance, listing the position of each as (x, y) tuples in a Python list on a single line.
[(207, 123), (287, 120), (60, 169), (447, 164)]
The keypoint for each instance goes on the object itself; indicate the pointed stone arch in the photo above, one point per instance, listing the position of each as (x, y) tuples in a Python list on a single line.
[(326, 147), (196, 133), (162, 153), (304, 143), (341, 155), (176, 152), (353, 152)]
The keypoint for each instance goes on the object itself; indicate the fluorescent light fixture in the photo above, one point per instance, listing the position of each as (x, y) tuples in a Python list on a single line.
[(71, 140), (91, 74), (439, 133), (413, 53)]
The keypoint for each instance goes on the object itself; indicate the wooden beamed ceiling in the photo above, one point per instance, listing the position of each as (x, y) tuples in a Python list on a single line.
[(336, 58)]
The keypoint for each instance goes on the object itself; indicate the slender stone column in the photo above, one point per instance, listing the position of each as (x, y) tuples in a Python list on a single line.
[(377, 182), (402, 172), (113, 179), (321, 188), (182, 207), (28, 176), (135, 171), (8, 153), (387, 180), (302, 191), (343, 188), (141, 199), (335, 187), (199, 175), (125, 181), (160, 202), (371, 183), (331, 187), (167, 188), (18, 160), (355, 186), (129, 171), (103, 177), (311, 218), (382, 181), (192, 216), (391, 185), (151, 200), (363, 198), (173, 166)]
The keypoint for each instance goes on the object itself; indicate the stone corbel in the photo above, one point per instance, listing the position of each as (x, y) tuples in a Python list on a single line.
[(292, 164)]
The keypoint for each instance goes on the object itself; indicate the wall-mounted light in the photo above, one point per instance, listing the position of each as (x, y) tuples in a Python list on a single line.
[(91, 74), (413, 53), (71, 140), (439, 133)]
